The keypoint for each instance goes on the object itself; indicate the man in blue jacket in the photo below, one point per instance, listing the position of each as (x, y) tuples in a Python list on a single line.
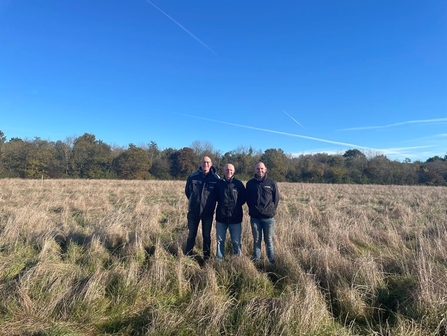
[(229, 213), (262, 201), (200, 191)]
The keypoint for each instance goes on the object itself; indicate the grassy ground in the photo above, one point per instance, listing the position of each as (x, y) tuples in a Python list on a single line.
[(105, 258)]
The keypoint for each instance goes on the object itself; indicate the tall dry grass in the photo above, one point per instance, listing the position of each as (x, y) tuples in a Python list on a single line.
[(105, 257)]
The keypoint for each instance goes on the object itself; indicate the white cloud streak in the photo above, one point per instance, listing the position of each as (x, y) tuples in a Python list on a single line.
[(344, 144), (422, 121), (296, 121), (276, 132), (184, 29)]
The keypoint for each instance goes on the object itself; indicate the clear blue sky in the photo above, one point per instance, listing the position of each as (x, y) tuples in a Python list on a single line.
[(304, 76)]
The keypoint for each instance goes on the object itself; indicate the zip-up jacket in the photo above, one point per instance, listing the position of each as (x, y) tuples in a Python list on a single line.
[(262, 197), (200, 191), (230, 199)]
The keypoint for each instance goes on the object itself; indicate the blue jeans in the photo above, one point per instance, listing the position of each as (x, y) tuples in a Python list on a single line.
[(235, 235), (193, 227), (259, 227)]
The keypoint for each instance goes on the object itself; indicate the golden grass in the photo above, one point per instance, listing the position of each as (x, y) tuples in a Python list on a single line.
[(94, 257)]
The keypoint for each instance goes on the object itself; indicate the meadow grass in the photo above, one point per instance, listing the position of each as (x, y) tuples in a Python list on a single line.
[(97, 257)]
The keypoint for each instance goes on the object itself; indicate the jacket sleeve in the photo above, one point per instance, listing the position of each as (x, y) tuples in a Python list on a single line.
[(276, 195), (188, 188), (243, 194)]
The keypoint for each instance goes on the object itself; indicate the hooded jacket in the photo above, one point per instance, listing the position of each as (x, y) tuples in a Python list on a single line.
[(200, 191), (262, 197), (230, 199)]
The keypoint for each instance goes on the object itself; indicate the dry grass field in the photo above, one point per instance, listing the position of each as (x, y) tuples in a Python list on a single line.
[(94, 257)]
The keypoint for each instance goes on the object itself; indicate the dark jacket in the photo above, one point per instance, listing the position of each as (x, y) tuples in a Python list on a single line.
[(262, 197), (200, 191), (230, 199)]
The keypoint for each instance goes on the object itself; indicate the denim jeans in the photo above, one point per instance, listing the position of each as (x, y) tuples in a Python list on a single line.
[(193, 227), (259, 227), (235, 235)]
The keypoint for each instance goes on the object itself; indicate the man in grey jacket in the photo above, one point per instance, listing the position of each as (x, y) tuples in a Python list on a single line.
[(200, 191)]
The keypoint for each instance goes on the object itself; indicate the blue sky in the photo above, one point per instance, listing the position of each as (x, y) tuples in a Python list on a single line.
[(303, 76)]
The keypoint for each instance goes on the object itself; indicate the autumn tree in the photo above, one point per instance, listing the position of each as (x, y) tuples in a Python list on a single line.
[(355, 161), (63, 153), (276, 162), (133, 164), (161, 164), (90, 158), (183, 162), (13, 158)]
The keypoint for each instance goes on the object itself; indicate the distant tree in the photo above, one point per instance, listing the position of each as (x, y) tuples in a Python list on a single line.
[(161, 165), (2, 142), (2, 139), (309, 169), (133, 164), (356, 162), (276, 163), (434, 171), (14, 158), (243, 159), (202, 148), (378, 170), (28, 159), (153, 150), (183, 162), (90, 158), (354, 154), (336, 171), (40, 159), (63, 154)]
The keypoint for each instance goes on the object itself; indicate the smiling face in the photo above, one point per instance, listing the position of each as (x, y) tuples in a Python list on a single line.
[(260, 169), (229, 171), (206, 164)]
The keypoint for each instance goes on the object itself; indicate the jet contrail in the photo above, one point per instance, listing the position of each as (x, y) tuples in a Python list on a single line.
[(345, 144), (396, 124), (184, 29), (278, 132), (293, 118)]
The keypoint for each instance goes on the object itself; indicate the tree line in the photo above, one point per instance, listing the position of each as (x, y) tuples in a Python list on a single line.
[(86, 157)]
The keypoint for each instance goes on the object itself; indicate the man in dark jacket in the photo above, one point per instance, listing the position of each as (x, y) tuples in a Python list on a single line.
[(200, 191), (229, 213), (262, 201)]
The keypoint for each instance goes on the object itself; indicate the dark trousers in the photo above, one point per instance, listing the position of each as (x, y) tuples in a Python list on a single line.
[(193, 227)]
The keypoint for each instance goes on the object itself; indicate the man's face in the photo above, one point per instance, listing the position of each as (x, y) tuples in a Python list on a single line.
[(260, 169), (206, 164), (229, 171)]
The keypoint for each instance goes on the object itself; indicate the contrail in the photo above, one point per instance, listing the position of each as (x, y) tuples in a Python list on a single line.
[(345, 144), (396, 124), (278, 132), (184, 29), (293, 118)]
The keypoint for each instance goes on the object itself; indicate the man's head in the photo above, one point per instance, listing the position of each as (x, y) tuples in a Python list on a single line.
[(206, 164), (260, 169), (229, 171)]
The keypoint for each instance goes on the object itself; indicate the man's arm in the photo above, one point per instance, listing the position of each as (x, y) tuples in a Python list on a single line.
[(276, 195), (188, 188)]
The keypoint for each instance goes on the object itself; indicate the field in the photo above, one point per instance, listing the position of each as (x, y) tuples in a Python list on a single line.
[(96, 257)]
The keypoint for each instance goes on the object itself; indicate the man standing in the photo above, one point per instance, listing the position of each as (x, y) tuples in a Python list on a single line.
[(200, 191), (262, 201), (229, 213)]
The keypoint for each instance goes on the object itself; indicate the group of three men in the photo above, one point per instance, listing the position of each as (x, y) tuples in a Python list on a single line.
[(204, 189)]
